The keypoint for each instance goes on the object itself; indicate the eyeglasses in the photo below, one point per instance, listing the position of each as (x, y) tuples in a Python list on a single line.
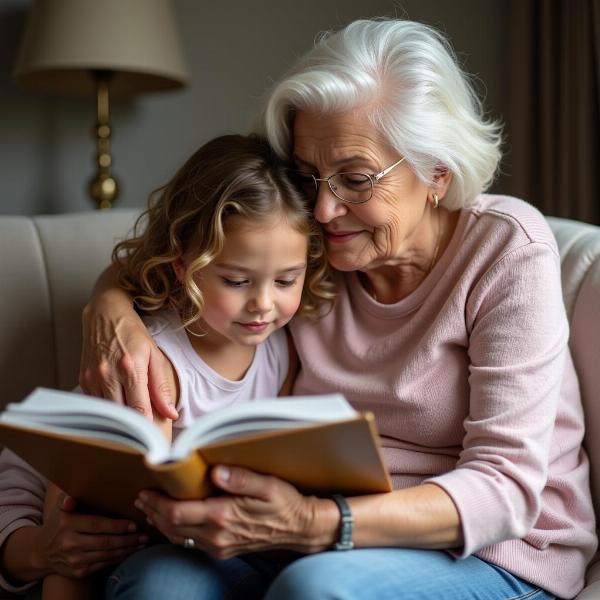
[(352, 188)]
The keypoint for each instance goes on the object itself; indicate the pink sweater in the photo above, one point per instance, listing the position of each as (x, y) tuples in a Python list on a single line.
[(473, 389)]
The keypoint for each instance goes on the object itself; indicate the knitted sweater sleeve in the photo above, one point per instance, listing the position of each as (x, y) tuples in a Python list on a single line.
[(22, 493), (518, 335)]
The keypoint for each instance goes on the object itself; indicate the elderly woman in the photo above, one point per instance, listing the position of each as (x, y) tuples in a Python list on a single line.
[(448, 325)]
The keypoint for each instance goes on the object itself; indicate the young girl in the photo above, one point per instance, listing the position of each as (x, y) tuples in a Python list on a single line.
[(226, 256)]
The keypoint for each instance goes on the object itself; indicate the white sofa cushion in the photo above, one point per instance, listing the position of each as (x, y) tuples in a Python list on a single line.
[(26, 340), (76, 249), (48, 266), (579, 246)]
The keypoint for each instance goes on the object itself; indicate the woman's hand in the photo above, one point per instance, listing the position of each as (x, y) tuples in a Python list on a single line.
[(76, 545), (259, 513), (119, 360)]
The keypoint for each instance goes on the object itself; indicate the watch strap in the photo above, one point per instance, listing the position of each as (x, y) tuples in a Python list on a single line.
[(346, 524)]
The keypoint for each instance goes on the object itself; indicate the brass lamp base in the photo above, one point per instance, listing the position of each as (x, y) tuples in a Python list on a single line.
[(103, 187), (104, 190)]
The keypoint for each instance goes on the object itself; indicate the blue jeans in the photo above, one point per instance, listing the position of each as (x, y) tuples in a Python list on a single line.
[(170, 572)]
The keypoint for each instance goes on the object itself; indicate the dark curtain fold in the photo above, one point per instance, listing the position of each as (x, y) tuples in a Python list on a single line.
[(553, 121)]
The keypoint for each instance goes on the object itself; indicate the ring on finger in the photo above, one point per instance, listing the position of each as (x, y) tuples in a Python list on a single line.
[(189, 543)]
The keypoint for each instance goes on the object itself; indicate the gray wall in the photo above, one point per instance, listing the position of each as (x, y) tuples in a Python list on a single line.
[(234, 49)]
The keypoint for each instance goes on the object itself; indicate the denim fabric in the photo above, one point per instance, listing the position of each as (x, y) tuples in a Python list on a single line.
[(172, 573)]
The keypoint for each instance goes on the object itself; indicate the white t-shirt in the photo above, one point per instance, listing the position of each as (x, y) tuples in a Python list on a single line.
[(201, 388)]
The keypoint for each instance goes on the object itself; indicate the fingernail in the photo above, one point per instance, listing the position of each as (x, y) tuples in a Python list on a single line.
[(139, 505), (143, 496), (223, 473), (173, 409), (149, 521), (132, 527)]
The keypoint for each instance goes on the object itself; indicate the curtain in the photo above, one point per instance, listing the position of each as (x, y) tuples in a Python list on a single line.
[(553, 119)]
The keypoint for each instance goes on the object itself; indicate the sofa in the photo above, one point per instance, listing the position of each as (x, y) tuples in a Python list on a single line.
[(48, 265)]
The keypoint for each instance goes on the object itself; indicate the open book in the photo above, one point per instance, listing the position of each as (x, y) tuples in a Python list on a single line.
[(103, 454)]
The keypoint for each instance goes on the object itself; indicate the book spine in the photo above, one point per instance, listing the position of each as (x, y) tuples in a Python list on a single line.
[(184, 480)]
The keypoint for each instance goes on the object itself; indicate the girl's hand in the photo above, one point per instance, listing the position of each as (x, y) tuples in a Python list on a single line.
[(76, 545), (120, 361), (260, 513)]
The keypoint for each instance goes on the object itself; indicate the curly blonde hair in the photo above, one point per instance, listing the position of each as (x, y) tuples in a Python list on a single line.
[(230, 175)]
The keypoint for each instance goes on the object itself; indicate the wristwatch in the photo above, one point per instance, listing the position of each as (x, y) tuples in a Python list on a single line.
[(347, 522)]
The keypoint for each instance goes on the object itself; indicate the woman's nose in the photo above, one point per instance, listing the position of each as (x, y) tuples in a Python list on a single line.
[(327, 205)]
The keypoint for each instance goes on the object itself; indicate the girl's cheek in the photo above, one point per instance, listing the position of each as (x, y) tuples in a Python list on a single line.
[(294, 305)]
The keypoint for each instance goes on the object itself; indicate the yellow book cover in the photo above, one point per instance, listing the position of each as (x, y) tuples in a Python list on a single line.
[(103, 454)]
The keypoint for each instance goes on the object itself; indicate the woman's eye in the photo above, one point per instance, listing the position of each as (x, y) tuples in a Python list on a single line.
[(355, 180), (236, 283), (285, 282)]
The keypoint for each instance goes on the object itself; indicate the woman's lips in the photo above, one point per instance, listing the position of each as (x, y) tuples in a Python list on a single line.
[(341, 237)]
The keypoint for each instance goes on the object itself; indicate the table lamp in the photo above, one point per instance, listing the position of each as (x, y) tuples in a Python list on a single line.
[(102, 48)]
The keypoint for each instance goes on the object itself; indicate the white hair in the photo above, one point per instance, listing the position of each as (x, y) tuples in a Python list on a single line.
[(406, 75)]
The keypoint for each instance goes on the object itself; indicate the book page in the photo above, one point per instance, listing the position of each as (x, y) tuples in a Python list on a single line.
[(262, 415), (79, 415)]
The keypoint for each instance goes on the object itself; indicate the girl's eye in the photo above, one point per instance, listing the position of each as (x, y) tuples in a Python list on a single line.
[(285, 282), (236, 283)]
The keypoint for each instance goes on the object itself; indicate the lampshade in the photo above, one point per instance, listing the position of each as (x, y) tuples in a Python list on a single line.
[(65, 40), (103, 47)]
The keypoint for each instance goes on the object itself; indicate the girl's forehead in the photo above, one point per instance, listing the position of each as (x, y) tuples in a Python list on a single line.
[(264, 248), (239, 224), (271, 231)]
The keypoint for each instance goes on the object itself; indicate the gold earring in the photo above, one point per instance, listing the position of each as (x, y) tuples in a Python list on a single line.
[(435, 200)]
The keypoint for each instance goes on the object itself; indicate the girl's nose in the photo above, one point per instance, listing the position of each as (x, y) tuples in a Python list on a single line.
[(261, 302)]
